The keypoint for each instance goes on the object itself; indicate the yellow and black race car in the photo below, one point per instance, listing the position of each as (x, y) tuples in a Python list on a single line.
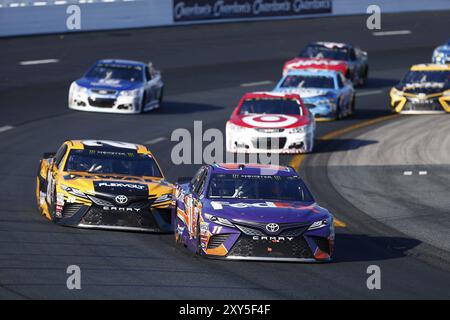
[(104, 184), (424, 89)]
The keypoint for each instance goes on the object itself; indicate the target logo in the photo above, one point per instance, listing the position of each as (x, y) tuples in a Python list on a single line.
[(272, 121)]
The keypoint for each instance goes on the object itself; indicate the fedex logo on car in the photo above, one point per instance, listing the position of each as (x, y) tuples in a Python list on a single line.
[(218, 205)]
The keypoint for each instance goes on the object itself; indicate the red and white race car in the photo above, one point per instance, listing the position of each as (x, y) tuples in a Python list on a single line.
[(269, 122), (348, 59), (316, 63)]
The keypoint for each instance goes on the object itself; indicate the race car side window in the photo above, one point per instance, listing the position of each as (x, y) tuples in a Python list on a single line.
[(201, 185), (352, 55), (196, 179), (148, 75), (340, 81), (60, 154), (201, 182)]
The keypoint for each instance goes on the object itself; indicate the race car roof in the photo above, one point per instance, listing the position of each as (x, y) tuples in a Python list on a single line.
[(122, 62), (329, 44), (108, 145), (270, 95), (253, 169), (430, 67), (312, 72)]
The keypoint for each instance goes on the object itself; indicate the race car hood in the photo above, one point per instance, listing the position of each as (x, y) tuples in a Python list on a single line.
[(265, 121), (117, 185), (423, 87), (108, 84), (316, 63), (261, 211), (306, 92)]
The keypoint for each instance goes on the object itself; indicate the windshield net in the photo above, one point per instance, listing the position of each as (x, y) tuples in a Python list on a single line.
[(111, 162), (271, 106), (258, 187)]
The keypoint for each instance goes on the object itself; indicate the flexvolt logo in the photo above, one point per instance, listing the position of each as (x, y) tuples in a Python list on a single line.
[(121, 185)]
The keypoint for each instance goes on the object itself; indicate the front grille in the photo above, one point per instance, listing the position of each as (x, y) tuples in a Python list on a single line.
[(103, 91), (269, 143), (270, 130), (70, 209), (101, 102), (293, 232), (250, 231), (217, 240), (120, 218), (432, 105), (248, 247), (101, 202)]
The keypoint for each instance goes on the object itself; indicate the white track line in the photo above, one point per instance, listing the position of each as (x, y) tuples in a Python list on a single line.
[(254, 84), (423, 173), (155, 141), (368, 93), (33, 62), (407, 173), (6, 128), (391, 33)]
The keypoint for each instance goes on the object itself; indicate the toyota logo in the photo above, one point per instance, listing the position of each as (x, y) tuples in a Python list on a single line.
[(272, 227), (121, 199)]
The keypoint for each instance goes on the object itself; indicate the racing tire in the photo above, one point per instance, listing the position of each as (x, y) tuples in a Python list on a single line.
[(366, 75), (198, 252), (337, 114), (352, 106), (144, 97), (160, 99)]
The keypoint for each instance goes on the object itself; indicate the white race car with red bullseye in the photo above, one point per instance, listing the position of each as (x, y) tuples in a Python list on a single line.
[(270, 122)]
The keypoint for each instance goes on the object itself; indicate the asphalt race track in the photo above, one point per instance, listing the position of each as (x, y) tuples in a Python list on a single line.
[(204, 68)]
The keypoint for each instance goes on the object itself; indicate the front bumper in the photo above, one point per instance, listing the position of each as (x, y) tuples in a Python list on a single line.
[(147, 219), (259, 141), (413, 105), (104, 103)]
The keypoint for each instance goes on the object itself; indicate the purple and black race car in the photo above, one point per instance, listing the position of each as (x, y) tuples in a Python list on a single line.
[(252, 212)]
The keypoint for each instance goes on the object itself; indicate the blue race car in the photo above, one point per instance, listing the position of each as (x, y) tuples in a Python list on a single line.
[(252, 212), (327, 94), (441, 54), (117, 86)]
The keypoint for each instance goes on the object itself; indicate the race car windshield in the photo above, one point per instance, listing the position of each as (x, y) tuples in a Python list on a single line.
[(427, 77), (258, 187), (301, 81), (322, 52), (110, 162), (271, 106), (116, 72)]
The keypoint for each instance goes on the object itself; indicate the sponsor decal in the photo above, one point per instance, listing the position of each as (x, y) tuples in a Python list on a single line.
[(118, 209), (121, 185), (219, 205), (272, 121), (191, 10), (273, 239), (204, 228)]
